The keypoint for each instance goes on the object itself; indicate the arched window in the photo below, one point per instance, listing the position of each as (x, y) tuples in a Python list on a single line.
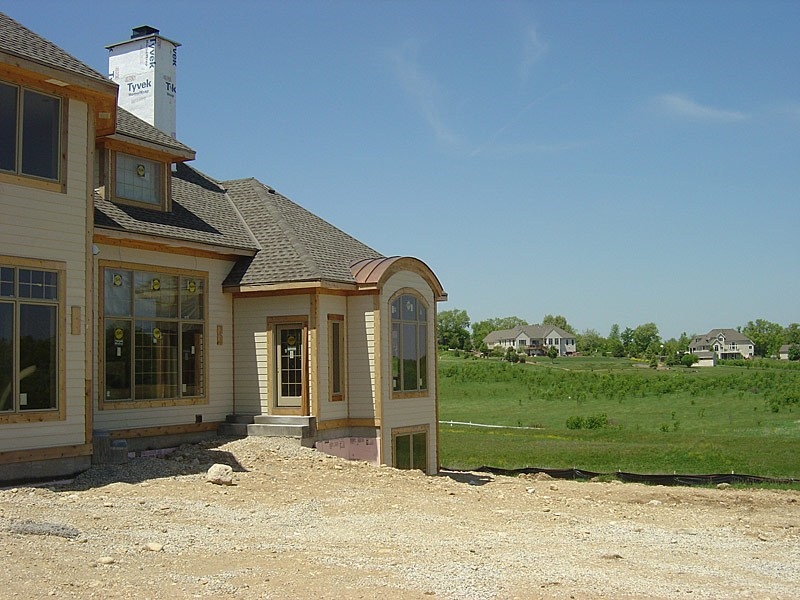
[(409, 344)]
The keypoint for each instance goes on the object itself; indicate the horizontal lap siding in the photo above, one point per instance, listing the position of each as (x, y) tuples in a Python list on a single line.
[(251, 353), (52, 226), (361, 357), (328, 410), (219, 358)]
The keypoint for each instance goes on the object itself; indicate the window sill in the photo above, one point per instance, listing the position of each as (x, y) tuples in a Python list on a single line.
[(32, 182), (419, 394), (136, 404), (32, 417)]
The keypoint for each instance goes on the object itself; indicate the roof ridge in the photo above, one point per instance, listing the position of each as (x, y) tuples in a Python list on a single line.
[(303, 254)]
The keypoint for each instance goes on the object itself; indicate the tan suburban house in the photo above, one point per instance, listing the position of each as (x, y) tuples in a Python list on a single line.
[(725, 343), (533, 339), (144, 303)]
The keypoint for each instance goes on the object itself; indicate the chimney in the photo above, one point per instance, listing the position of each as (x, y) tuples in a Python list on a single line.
[(144, 69)]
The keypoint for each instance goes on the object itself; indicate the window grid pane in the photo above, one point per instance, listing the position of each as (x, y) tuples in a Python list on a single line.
[(6, 282), (155, 295), (41, 285), (192, 350), (138, 179), (119, 343), (156, 360)]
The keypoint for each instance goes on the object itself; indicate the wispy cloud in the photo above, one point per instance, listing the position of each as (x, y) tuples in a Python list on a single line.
[(424, 91), (681, 106), (492, 139), (533, 48)]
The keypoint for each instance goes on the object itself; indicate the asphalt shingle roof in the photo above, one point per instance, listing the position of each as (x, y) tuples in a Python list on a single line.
[(534, 332), (19, 40), (296, 245), (131, 125), (201, 212)]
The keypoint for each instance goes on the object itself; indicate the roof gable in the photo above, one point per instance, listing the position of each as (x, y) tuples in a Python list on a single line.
[(132, 126), (297, 245), (19, 40)]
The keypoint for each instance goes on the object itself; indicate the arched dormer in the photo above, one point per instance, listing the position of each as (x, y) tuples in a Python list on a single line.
[(373, 273)]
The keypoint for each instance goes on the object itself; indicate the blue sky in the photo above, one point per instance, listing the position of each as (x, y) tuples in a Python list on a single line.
[(612, 162)]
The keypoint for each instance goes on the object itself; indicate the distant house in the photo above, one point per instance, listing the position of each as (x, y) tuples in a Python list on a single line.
[(725, 343), (533, 339), (146, 304), (783, 352)]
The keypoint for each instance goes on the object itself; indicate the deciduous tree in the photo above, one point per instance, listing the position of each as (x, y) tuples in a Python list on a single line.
[(766, 336), (453, 329), (559, 321), (590, 342)]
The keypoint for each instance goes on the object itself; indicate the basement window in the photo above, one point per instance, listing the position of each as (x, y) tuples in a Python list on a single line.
[(410, 448)]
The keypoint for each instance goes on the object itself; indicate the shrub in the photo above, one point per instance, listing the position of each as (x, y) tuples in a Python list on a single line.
[(598, 421), (689, 359), (575, 422)]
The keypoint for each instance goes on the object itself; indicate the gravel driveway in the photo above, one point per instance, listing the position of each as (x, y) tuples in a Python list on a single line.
[(300, 524)]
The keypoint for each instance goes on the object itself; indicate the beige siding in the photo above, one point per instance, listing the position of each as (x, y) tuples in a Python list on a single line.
[(408, 412), (52, 226), (219, 357), (251, 353), (328, 410), (361, 357)]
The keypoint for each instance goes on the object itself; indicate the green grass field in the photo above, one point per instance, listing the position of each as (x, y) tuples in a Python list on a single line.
[(691, 421)]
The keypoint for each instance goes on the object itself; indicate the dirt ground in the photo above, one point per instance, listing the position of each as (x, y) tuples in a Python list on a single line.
[(299, 524)]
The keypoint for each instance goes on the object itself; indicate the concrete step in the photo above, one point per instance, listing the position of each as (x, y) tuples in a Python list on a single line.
[(239, 418), (232, 430), (294, 420), (303, 429)]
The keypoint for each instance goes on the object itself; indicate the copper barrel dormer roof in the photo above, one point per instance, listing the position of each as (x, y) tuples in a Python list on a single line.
[(373, 272)]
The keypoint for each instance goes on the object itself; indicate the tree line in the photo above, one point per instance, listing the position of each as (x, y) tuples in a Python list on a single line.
[(456, 330)]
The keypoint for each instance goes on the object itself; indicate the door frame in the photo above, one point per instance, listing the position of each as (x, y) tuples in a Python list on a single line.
[(301, 321)]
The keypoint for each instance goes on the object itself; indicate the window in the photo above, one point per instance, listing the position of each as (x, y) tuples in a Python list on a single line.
[(30, 305), (410, 449), (336, 357), (154, 335), (138, 179), (30, 133), (409, 344)]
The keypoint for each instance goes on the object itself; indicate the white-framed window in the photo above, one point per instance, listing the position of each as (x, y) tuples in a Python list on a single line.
[(336, 357), (409, 317), (138, 179), (30, 133), (154, 340), (31, 305)]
